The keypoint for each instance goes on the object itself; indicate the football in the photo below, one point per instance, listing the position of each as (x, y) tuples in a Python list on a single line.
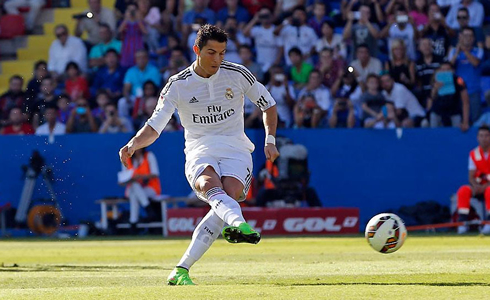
[(386, 233)]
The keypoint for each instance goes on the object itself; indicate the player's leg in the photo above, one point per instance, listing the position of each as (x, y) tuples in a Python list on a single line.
[(238, 232), (206, 232), (486, 227), (464, 197)]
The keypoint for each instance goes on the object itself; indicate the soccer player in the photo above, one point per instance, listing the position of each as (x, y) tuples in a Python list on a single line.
[(479, 177), (209, 97)]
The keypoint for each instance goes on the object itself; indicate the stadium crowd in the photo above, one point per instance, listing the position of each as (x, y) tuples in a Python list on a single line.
[(328, 64)]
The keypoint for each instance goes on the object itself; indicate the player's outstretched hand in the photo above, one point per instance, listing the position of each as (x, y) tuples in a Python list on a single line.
[(271, 152), (125, 154)]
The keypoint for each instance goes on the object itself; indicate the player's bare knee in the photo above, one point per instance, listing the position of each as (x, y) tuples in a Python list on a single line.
[(233, 187), (207, 180)]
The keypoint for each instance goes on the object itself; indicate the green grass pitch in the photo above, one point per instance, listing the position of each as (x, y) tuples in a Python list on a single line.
[(426, 267)]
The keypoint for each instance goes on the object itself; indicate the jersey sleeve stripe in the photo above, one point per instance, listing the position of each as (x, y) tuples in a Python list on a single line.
[(238, 67), (182, 76), (241, 72)]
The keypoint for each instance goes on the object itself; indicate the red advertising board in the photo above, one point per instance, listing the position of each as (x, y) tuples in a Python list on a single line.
[(276, 221)]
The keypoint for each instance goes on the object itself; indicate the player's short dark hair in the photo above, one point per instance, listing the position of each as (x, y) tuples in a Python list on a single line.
[(295, 50), (209, 32), (484, 127)]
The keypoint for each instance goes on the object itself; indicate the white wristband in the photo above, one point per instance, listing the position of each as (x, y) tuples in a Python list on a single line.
[(270, 139)]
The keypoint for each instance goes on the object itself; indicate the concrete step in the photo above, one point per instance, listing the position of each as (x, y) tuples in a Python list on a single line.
[(83, 3), (33, 54)]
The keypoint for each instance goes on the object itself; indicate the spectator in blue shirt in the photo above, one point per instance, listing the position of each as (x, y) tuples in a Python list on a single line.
[(232, 9), (96, 55), (466, 59), (137, 75), (109, 78), (200, 10)]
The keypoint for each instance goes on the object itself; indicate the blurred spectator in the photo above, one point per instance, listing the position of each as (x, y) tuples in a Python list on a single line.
[(233, 9), (91, 24), (286, 7), (120, 7), (365, 64), (475, 9), (14, 97), (177, 62), (246, 56), (254, 6), (377, 112), (400, 66), (466, 58), (330, 40), (200, 9), (329, 67), (76, 86), (151, 18), (150, 90), (12, 8), (437, 31), (52, 126), (109, 77), (101, 99), (300, 70), (283, 93), (81, 119), (149, 106), (343, 114), (449, 104), (266, 43), (363, 32), (34, 85), (132, 31), (307, 113), (319, 17), (425, 68), (297, 34), (64, 49), (463, 18), (346, 86), (418, 13), (47, 97), (96, 56), (17, 124), (485, 117), (377, 15), (235, 40), (113, 122), (137, 75), (408, 110), (320, 92), (252, 115), (65, 107), (401, 28), (190, 40)]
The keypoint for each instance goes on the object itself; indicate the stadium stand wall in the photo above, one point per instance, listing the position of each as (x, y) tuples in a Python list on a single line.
[(369, 169)]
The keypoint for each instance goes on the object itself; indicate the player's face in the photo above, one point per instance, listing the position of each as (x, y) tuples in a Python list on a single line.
[(484, 139), (210, 56)]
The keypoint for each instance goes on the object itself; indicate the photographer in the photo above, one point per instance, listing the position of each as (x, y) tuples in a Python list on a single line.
[(81, 119), (90, 19), (114, 123), (437, 31), (343, 114), (132, 31), (283, 93)]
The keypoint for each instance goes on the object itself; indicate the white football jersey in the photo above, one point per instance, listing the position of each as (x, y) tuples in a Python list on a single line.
[(211, 109)]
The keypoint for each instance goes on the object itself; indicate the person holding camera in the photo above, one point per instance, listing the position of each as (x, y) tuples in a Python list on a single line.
[(402, 28), (283, 93), (343, 114), (363, 32), (266, 43), (437, 31), (132, 31), (81, 119), (114, 123), (476, 13), (90, 19)]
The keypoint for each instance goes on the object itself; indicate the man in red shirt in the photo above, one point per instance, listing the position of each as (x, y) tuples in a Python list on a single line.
[(479, 178), (17, 124)]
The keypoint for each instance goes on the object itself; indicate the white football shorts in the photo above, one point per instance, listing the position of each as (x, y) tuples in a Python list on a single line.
[(225, 160)]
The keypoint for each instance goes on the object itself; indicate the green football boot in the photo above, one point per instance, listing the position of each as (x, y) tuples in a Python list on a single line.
[(244, 233), (179, 276)]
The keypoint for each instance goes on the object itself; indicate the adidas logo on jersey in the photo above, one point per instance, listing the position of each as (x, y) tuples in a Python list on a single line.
[(193, 100)]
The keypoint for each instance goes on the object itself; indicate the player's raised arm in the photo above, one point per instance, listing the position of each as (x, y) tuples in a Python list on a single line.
[(155, 125)]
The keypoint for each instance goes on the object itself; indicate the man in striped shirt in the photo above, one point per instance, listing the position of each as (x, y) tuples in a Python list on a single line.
[(209, 96)]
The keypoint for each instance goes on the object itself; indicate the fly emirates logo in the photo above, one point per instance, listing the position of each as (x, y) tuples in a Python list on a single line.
[(214, 115)]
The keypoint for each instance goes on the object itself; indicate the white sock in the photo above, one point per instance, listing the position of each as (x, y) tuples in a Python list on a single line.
[(225, 207), (206, 232)]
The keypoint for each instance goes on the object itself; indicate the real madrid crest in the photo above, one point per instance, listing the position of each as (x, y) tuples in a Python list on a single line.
[(229, 94)]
